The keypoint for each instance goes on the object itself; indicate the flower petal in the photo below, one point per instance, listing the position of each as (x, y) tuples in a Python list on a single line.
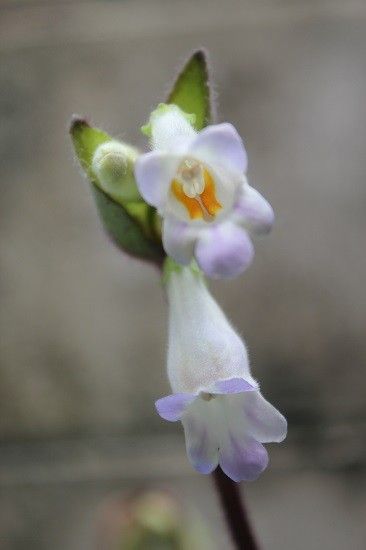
[(253, 211), (201, 437), (154, 172), (242, 459), (173, 406), (178, 240), (202, 345), (170, 130), (232, 385), (224, 251), (221, 146), (264, 422)]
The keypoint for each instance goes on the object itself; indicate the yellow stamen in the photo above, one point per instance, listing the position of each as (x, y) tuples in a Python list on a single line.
[(204, 206)]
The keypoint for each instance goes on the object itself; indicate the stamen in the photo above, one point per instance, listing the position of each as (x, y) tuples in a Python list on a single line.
[(194, 187), (190, 176)]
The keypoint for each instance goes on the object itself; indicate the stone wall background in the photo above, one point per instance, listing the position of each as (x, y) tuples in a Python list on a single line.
[(82, 345)]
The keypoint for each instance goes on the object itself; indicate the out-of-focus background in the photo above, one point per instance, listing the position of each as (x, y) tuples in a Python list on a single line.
[(83, 328)]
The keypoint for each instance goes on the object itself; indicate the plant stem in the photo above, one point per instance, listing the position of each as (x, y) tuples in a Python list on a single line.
[(235, 513)]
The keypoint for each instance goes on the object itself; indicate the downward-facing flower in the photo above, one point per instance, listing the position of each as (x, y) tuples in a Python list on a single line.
[(224, 415), (197, 182)]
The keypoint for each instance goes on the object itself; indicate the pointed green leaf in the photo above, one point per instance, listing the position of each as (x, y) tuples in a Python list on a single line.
[(191, 90), (131, 225)]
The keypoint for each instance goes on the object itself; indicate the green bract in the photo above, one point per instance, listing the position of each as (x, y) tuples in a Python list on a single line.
[(191, 90)]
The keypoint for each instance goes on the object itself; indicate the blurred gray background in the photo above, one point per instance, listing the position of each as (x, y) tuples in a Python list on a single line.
[(83, 329)]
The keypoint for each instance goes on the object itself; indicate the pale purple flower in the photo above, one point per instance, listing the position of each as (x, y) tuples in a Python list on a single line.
[(225, 418), (197, 182)]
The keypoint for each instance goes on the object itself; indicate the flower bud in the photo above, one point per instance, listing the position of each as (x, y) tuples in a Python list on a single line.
[(113, 166), (150, 520)]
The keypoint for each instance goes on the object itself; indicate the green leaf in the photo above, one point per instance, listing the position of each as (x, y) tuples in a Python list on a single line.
[(132, 225), (124, 231), (191, 90)]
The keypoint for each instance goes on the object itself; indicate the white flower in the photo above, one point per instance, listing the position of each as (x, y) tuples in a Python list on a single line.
[(224, 415), (197, 182)]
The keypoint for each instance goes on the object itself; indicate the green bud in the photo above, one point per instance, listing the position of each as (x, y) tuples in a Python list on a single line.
[(152, 521), (132, 224), (113, 166)]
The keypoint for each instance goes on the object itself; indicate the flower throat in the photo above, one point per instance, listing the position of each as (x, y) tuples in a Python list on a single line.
[(194, 188)]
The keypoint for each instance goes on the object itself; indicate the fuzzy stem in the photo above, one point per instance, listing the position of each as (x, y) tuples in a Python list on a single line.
[(235, 513)]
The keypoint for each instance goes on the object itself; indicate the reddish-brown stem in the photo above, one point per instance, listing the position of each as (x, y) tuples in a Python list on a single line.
[(235, 513)]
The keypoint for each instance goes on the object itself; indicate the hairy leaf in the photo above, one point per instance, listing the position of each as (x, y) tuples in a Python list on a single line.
[(191, 90)]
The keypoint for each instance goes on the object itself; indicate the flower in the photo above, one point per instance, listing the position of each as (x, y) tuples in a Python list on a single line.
[(224, 415), (197, 182)]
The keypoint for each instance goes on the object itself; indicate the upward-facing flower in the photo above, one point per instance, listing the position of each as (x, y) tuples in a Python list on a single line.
[(224, 415), (197, 182)]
